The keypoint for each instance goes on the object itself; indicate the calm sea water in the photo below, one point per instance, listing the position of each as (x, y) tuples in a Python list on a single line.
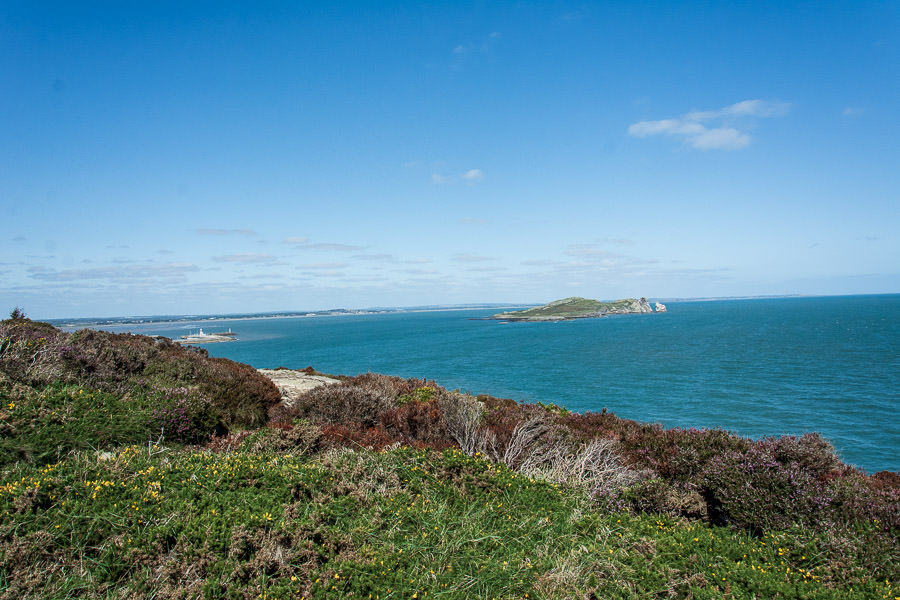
[(759, 367)]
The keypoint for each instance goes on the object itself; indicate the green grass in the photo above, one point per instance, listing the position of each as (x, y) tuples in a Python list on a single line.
[(398, 524)]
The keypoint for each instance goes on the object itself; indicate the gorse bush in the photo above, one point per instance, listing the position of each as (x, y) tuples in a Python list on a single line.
[(46, 424)]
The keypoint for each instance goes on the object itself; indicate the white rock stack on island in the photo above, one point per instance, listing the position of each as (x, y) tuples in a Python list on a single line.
[(660, 307)]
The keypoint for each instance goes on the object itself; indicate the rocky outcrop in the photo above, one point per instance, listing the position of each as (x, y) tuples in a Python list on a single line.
[(660, 307), (629, 306), (294, 383)]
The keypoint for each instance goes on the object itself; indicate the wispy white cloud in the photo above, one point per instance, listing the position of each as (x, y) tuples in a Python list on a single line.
[(222, 232), (332, 247), (617, 241), (473, 175), (247, 257), (853, 111), (421, 272), (470, 258), (166, 271), (302, 243), (324, 266), (467, 51), (542, 262), (722, 129), (573, 15), (388, 258)]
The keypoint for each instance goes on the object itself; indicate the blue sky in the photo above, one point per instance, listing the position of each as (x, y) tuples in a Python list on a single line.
[(172, 158)]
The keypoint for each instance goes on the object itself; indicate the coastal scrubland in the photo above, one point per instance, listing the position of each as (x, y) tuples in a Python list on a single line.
[(131, 467)]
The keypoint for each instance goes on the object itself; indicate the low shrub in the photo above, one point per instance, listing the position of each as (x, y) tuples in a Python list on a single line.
[(419, 422), (856, 501), (182, 415), (357, 436), (300, 438), (658, 496), (39, 354), (753, 490), (810, 451), (362, 399)]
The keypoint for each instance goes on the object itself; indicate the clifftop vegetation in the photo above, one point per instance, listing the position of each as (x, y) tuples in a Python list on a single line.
[(131, 467)]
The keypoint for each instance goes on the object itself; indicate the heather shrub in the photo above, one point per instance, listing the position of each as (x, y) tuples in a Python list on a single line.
[(281, 413), (417, 422), (811, 451), (362, 399), (857, 501), (500, 421), (239, 394), (181, 415), (343, 402), (754, 491), (107, 358), (692, 449)]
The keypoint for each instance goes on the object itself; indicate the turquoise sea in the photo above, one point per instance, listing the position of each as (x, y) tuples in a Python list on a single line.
[(759, 367)]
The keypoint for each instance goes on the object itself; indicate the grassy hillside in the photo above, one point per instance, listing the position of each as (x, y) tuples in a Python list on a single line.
[(384, 487)]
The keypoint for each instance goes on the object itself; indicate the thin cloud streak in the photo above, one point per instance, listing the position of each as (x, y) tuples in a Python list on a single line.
[(247, 257), (725, 132), (224, 232)]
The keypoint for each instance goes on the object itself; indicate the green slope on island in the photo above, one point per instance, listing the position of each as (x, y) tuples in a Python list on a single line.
[(114, 484), (576, 308)]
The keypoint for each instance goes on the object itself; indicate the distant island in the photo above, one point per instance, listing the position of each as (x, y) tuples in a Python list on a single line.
[(579, 308)]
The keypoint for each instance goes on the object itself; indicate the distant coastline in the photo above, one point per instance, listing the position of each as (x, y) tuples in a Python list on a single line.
[(70, 323), (137, 320)]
